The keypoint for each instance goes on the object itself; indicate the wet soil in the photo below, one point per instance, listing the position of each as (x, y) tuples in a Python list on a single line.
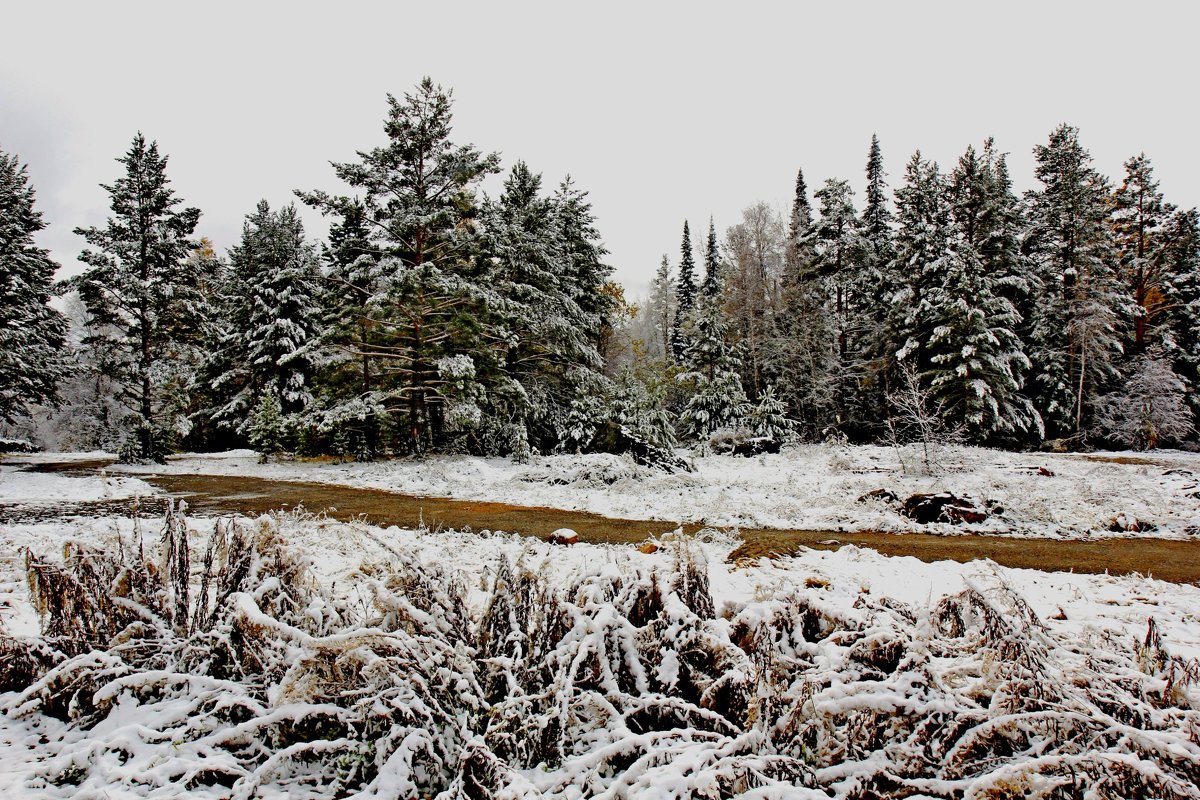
[(1170, 560)]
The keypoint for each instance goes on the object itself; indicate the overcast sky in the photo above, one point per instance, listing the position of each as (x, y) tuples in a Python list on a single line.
[(662, 111)]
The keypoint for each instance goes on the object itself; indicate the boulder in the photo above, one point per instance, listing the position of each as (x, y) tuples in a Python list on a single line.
[(941, 507), (564, 536)]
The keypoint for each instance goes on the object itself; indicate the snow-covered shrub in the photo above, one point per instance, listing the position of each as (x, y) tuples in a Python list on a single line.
[(227, 671)]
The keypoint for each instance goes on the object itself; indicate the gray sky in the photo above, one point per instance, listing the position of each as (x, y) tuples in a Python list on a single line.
[(662, 111)]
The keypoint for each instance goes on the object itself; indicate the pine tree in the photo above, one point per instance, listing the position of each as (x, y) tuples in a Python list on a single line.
[(32, 334), (419, 195), (140, 297), (685, 295), (712, 264), (1076, 333)]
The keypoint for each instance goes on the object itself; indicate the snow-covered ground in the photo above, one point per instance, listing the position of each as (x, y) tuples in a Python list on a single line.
[(19, 485), (1077, 626), (813, 487)]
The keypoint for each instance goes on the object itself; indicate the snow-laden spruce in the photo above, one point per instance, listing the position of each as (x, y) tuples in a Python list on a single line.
[(227, 668)]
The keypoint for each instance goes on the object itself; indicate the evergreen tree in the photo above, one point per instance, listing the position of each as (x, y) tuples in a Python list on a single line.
[(139, 296), (273, 320), (712, 264), (547, 292), (802, 358), (685, 294), (976, 360), (877, 229), (351, 405), (1182, 263), (715, 398), (32, 334), (798, 255), (419, 194), (1076, 333), (661, 308), (1140, 229)]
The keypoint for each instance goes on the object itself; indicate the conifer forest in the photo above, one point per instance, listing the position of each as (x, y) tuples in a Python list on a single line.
[(427, 484), (437, 319)]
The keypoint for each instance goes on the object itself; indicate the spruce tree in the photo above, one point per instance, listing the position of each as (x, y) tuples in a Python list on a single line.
[(877, 226), (802, 357), (1076, 324), (712, 264), (1182, 264), (715, 397), (419, 193), (274, 316), (975, 359), (140, 297), (546, 290), (32, 334), (685, 295)]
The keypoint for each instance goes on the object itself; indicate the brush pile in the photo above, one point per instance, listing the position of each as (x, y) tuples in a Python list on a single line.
[(227, 670)]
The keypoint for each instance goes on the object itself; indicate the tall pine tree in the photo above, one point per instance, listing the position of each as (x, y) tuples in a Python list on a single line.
[(141, 299), (419, 193)]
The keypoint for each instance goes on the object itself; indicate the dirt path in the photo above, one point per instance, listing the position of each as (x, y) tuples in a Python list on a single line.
[(1177, 561)]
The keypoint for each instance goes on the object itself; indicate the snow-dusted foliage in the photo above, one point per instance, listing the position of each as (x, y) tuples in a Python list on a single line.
[(32, 334), (143, 300), (1149, 410), (228, 671)]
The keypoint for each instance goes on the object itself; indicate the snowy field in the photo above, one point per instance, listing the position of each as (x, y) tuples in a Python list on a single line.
[(808, 487), (324, 659)]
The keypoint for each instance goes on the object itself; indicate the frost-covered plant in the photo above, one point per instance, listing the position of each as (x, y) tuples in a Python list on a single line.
[(1149, 410), (769, 418), (916, 421), (622, 679)]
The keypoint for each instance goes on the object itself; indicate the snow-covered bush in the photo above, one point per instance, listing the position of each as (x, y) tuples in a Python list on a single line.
[(228, 671)]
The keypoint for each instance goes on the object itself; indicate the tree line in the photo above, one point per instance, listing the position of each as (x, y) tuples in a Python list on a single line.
[(1069, 315), (437, 318)]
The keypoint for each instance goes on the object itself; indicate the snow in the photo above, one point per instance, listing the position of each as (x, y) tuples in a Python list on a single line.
[(18, 485), (812, 487)]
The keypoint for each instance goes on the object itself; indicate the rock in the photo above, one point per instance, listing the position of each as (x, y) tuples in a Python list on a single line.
[(564, 536), (649, 548), (886, 495), (1127, 523), (941, 507)]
